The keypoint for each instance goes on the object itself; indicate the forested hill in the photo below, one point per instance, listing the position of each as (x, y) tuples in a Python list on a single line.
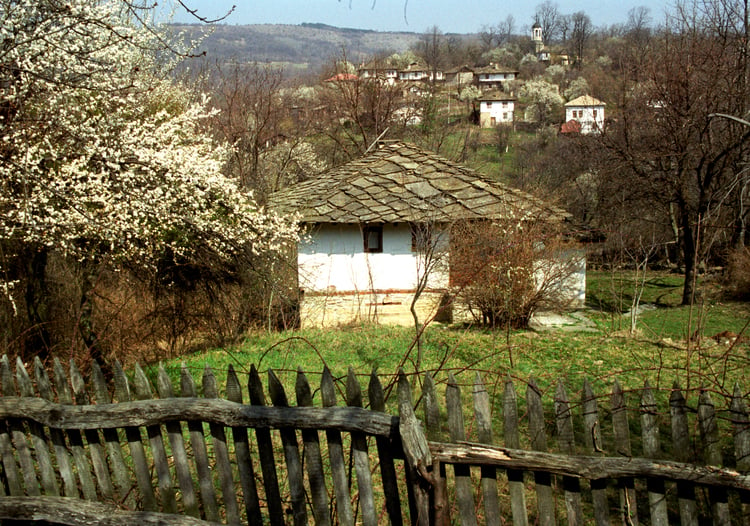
[(299, 48)]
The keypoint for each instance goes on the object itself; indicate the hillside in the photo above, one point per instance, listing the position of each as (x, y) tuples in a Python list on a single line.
[(299, 48)]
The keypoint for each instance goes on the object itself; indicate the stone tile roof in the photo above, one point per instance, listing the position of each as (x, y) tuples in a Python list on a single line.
[(399, 183)]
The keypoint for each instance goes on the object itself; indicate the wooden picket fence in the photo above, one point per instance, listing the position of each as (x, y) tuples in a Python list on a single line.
[(70, 455)]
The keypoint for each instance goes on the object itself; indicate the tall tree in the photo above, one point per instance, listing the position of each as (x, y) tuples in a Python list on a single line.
[(548, 16), (668, 144), (580, 33)]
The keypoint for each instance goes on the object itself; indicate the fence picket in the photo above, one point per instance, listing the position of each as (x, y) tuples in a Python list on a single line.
[(18, 435), (242, 454), (38, 436), (709, 431), (62, 455), (657, 496), (462, 473), (681, 447), (592, 435), (10, 466), (179, 455), (434, 433), (483, 420), (741, 432), (512, 440), (543, 480), (221, 452), (385, 454), (143, 391), (112, 440), (336, 455), (200, 454), (566, 441), (416, 452), (93, 440), (291, 453), (360, 455), (621, 429), (83, 469), (265, 451), (135, 445), (313, 460)]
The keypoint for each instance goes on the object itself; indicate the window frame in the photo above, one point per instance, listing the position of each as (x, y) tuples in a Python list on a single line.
[(367, 230)]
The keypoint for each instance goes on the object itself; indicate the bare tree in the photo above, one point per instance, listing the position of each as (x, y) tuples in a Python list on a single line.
[(581, 32), (548, 16)]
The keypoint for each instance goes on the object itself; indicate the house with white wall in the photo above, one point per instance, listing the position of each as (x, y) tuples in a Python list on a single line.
[(494, 77), (588, 112), (496, 108), (362, 252), (416, 71)]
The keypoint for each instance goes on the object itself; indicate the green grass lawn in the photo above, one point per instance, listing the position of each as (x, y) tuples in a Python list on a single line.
[(658, 351)]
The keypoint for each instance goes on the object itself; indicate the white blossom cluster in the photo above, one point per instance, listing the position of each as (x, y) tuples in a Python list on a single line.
[(102, 156)]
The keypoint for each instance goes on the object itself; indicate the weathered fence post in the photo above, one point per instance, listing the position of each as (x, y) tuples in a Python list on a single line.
[(462, 472), (566, 440), (592, 435), (432, 425), (361, 458), (741, 432), (513, 441), (681, 448), (546, 499), (628, 502), (483, 421), (416, 451), (336, 455), (657, 497), (709, 431)]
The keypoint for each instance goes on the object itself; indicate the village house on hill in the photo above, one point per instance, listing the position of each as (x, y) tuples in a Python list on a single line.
[(584, 114), (358, 259), (496, 108)]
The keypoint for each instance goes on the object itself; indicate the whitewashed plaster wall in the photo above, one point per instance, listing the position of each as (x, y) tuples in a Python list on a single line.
[(590, 117), (331, 258), (501, 111)]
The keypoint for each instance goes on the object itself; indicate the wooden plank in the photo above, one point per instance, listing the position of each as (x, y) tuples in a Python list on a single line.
[(10, 466), (657, 496), (741, 433), (18, 434), (511, 436), (221, 453), (483, 422), (122, 478), (142, 413), (242, 454), (464, 495), (135, 445), (75, 512), (709, 430), (38, 437), (265, 451), (386, 447), (628, 503), (434, 433), (587, 467), (566, 442), (681, 448), (62, 455), (93, 440), (295, 475), (344, 515), (177, 444), (313, 460), (360, 456), (543, 480), (143, 391), (416, 452), (592, 436), (200, 453)]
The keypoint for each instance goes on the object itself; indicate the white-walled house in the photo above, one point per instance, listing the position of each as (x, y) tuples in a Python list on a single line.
[(361, 255), (494, 77), (588, 112), (495, 109)]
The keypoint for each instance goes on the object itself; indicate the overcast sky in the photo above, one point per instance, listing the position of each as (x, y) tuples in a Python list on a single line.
[(451, 16)]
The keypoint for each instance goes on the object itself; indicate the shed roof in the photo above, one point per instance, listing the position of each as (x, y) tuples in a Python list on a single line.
[(400, 182)]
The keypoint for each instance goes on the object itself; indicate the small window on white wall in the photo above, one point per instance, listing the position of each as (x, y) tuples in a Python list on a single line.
[(373, 238)]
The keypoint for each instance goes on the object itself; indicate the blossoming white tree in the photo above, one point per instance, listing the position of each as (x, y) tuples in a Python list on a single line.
[(102, 158)]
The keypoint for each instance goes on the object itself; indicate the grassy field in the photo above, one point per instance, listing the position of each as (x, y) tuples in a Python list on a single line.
[(658, 351)]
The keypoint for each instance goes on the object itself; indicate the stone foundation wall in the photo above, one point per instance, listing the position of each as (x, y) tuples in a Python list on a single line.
[(319, 310)]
